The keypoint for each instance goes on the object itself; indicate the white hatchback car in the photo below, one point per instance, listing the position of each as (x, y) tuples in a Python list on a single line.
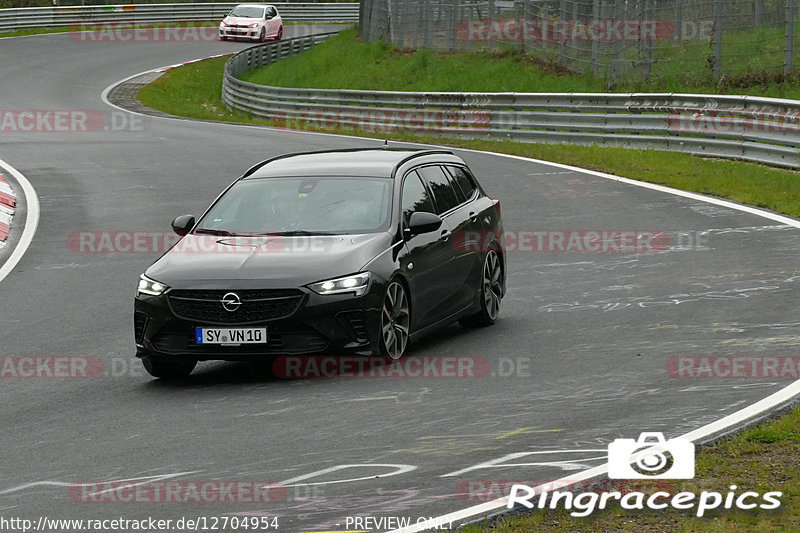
[(258, 22)]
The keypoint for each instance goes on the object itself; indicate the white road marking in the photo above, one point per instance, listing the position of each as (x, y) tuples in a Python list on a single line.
[(31, 220)]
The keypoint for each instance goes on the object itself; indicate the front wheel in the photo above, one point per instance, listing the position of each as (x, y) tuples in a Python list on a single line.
[(262, 37), (164, 369), (491, 293), (395, 321)]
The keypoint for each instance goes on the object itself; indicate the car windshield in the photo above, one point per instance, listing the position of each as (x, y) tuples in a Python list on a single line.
[(301, 206), (247, 12)]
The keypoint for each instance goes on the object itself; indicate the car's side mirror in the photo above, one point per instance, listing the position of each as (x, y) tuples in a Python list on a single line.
[(182, 224), (423, 222)]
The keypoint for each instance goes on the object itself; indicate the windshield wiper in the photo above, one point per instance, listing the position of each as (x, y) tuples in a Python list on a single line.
[(298, 232), (209, 231)]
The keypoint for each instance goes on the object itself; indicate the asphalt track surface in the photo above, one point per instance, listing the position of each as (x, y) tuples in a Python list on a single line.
[(578, 359)]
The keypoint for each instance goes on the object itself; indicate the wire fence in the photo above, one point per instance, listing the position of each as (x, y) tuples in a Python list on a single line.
[(616, 39)]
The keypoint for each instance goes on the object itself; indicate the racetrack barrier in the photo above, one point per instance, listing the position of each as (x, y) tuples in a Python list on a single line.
[(79, 16), (763, 130)]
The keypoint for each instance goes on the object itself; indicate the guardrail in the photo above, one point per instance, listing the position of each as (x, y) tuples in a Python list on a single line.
[(763, 130), (37, 17)]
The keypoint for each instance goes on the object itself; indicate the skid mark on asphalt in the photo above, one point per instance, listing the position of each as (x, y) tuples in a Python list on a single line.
[(402, 397), (748, 289), (450, 445)]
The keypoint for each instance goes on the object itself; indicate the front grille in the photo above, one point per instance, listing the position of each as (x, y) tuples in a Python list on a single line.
[(258, 305), (139, 322)]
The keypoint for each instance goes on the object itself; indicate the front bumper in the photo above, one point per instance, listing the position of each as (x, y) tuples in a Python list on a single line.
[(231, 32), (334, 324)]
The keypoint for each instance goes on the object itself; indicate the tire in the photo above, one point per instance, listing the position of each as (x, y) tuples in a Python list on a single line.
[(262, 37), (161, 368), (491, 293), (395, 321), (279, 35)]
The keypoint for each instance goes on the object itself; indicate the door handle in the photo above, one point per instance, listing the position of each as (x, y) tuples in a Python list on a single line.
[(446, 234), (472, 216)]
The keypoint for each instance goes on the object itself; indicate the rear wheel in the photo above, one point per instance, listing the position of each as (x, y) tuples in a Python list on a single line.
[(491, 293), (395, 321), (164, 369), (279, 35)]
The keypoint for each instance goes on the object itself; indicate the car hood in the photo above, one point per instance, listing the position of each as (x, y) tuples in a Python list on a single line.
[(206, 261), (240, 20)]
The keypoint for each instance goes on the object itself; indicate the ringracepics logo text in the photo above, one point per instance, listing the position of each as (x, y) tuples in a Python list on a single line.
[(585, 503), (650, 457)]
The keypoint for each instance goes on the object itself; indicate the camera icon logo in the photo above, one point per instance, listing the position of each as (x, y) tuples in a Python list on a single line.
[(651, 457)]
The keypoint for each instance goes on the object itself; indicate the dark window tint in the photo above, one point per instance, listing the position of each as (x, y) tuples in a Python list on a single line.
[(465, 182), (415, 197), (443, 191)]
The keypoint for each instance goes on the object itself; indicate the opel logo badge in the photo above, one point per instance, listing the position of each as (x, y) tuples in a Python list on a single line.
[(231, 302)]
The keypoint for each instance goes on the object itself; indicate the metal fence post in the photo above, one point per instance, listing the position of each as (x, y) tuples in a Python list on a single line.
[(452, 26), (595, 44), (522, 23), (648, 42), (678, 29), (716, 39), (758, 8), (428, 15), (562, 51), (788, 59), (492, 12)]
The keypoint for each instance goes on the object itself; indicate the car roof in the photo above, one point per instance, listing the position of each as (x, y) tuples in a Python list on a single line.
[(253, 5), (373, 162)]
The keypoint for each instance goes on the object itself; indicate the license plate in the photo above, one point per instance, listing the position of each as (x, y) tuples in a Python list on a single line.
[(231, 336)]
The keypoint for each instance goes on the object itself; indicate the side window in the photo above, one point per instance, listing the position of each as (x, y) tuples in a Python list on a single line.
[(464, 181), (415, 197), (443, 191)]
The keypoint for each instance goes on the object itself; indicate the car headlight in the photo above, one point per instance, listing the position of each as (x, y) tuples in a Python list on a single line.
[(222, 24), (357, 284), (150, 287), (254, 25)]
